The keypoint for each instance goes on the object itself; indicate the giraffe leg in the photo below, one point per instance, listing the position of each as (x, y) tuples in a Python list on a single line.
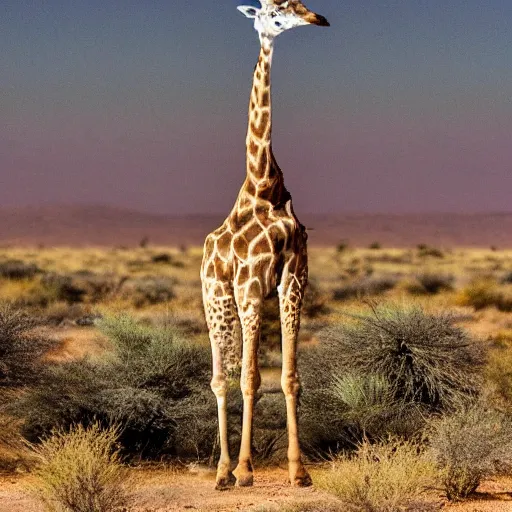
[(250, 316), (290, 300), (224, 333)]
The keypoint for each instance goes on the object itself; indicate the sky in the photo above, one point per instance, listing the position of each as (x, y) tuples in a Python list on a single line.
[(400, 106)]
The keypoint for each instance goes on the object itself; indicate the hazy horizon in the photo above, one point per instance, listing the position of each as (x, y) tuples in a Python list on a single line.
[(399, 108)]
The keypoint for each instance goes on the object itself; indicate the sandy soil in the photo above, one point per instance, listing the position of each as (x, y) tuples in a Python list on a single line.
[(166, 491)]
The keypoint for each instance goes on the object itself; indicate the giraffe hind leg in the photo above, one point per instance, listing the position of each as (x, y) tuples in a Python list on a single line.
[(224, 332), (291, 292)]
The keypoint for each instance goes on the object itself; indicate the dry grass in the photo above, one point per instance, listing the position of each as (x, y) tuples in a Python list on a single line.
[(80, 471), (385, 477), (472, 444)]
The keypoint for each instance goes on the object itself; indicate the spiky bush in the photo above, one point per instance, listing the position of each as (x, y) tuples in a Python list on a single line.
[(473, 443), (383, 477), (80, 470), (21, 350), (153, 383), (425, 358), (384, 373)]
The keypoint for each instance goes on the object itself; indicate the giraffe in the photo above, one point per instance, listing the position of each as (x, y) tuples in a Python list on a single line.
[(260, 247)]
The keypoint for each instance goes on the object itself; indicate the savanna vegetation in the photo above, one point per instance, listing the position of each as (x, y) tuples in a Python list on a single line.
[(405, 356)]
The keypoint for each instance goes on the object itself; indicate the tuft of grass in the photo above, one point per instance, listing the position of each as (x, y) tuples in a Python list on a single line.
[(469, 445), (384, 477), (80, 470)]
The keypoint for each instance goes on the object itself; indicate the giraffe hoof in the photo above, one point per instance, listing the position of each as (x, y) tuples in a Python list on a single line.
[(302, 481), (225, 482), (300, 477), (244, 474), (245, 480)]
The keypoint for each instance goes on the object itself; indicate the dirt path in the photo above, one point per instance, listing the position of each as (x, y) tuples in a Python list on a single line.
[(168, 491)]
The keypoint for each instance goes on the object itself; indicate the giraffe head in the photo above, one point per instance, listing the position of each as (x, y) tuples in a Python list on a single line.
[(276, 16)]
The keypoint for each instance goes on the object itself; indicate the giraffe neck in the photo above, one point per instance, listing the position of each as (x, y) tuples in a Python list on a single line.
[(264, 177)]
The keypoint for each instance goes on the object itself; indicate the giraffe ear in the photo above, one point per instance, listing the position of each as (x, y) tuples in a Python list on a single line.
[(248, 10)]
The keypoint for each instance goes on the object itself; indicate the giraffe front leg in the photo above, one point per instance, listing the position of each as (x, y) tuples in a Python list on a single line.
[(250, 316), (290, 302), (224, 333)]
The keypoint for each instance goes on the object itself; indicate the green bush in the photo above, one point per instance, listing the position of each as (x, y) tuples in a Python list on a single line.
[(80, 470), (383, 477), (384, 374), (21, 349), (154, 384), (473, 443)]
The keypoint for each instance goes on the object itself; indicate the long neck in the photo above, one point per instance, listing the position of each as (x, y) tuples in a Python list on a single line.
[(259, 131), (264, 178)]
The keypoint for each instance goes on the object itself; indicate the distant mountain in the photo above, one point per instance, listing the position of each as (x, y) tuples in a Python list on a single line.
[(108, 226)]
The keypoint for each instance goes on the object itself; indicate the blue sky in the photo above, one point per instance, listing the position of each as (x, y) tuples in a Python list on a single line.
[(399, 106)]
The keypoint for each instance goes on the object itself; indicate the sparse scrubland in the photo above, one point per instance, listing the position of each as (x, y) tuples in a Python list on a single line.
[(405, 357)]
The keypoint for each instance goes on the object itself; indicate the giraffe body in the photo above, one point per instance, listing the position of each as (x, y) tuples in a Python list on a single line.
[(260, 247)]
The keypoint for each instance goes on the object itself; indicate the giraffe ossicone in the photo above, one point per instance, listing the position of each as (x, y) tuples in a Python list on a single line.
[(261, 247)]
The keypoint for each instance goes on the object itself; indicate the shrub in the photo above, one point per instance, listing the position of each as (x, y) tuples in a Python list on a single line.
[(153, 384), (375, 246), (473, 443), (425, 251), (369, 286), (16, 269), (483, 294), (384, 374), (498, 370), (148, 290), (507, 278), (80, 470), (13, 451), (384, 477), (21, 350), (424, 357), (342, 246), (82, 286), (431, 283), (315, 302)]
